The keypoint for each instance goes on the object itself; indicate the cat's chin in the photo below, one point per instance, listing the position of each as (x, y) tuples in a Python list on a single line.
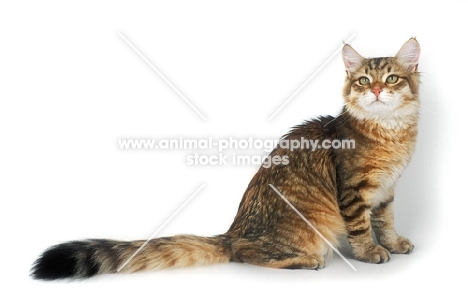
[(379, 107)]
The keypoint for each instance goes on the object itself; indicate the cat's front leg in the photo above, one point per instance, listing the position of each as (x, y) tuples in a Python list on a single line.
[(384, 230), (356, 213)]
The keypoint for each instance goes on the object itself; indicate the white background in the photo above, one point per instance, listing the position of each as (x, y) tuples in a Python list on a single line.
[(70, 87)]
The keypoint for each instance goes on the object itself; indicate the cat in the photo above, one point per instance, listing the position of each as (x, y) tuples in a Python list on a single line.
[(339, 191)]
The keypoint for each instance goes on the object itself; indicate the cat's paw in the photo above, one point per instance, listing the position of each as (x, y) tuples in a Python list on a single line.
[(309, 262), (401, 245), (316, 262), (377, 254)]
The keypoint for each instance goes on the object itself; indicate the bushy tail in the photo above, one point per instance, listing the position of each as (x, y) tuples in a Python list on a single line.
[(83, 259)]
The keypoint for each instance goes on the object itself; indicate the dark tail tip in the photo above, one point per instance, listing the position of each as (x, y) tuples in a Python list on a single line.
[(64, 261)]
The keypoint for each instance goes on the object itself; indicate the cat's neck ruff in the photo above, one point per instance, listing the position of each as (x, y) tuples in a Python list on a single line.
[(399, 119)]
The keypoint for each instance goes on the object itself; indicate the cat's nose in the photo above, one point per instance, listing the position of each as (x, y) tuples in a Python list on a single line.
[(377, 90)]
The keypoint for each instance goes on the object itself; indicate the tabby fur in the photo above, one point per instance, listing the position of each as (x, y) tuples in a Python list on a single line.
[(340, 191)]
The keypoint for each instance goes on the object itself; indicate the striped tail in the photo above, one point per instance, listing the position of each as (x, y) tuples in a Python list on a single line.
[(84, 259)]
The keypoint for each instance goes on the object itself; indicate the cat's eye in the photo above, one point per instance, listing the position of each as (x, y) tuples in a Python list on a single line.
[(364, 81), (392, 79)]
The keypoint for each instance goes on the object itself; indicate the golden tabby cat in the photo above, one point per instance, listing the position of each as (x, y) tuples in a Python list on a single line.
[(340, 191)]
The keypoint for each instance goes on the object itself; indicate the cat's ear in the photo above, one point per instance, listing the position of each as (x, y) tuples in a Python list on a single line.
[(408, 55), (352, 60)]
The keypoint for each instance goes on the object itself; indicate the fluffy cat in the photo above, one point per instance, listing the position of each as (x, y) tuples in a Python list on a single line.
[(340, 191)]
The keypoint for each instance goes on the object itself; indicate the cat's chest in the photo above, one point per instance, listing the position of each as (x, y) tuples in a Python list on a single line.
[(387, 163)]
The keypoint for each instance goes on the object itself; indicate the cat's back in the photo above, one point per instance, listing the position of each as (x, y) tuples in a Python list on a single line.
[(308, 173), (320, 128)]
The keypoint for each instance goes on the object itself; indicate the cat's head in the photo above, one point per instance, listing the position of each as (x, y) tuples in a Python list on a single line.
[(383, 90)]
